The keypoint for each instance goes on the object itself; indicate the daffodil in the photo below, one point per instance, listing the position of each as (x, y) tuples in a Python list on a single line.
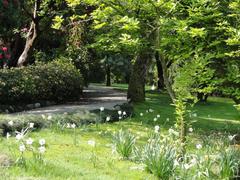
[(42, 142), (22, 148), (42, 149), (29, 141)]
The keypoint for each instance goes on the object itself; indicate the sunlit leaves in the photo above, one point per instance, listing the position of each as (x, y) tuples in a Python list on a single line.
[(129, 24), (126, 39), (197, 32), (73, 3), (57, 22)]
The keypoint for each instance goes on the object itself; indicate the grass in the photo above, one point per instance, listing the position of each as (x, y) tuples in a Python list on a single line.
[(64, 160), (217, 113)]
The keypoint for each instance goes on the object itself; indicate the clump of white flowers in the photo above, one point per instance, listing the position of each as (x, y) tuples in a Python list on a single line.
[(156, 129), (27, 144)]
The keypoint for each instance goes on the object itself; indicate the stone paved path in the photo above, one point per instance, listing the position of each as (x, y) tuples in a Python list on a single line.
[(93, 98)]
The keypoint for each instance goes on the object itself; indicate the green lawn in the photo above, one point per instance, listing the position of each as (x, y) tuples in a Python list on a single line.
[(64, 160)]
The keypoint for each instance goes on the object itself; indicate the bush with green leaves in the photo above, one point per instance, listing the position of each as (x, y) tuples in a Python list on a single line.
[(124, 143), (57, 81)]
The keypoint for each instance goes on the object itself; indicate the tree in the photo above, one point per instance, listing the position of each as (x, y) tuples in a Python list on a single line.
[(131, 34), (40, 14)]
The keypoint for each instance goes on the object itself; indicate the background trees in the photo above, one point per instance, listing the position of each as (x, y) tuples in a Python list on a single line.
[(195, 44)]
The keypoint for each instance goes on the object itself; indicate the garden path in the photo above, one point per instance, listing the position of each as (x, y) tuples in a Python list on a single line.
[(94, 97)]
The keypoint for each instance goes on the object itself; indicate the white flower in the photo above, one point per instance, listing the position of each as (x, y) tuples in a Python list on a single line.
[(42, 149), (10, 123), (153, 87), (155, 119), (141, 114), (8, 135), (167, 119), (22, 148), (31, 125), (119, 112), (193, 161), (101, 108), (158, 116), (73, 126), (92, 143), (49, 117), (19, 136), (108, 118), (68, 125), (176, 163), (42, 142), (190, 129), (43, 116), (198, 146), (194, 114), (146, 111), (156, 129), (172, 131), (119, 117), (230, 137), (29, 141), (124, 113), (187, 166), (150, 110)]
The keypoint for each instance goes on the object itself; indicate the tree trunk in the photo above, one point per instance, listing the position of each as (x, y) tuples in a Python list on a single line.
[(23, 59), (164, 67), (31, 36), (108, 74), (236, 100), (202, 97), (160, 83), (136, 88), (166, 80)]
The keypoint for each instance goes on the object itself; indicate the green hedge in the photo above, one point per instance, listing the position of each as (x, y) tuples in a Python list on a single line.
[(55, 81)]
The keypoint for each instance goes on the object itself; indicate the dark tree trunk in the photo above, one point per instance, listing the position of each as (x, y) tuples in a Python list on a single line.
[(108, 76), (236, 100), (202, 97), (136, 88), (160, 83)]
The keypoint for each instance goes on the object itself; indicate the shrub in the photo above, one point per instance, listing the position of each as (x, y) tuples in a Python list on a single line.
[(57, 81)]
